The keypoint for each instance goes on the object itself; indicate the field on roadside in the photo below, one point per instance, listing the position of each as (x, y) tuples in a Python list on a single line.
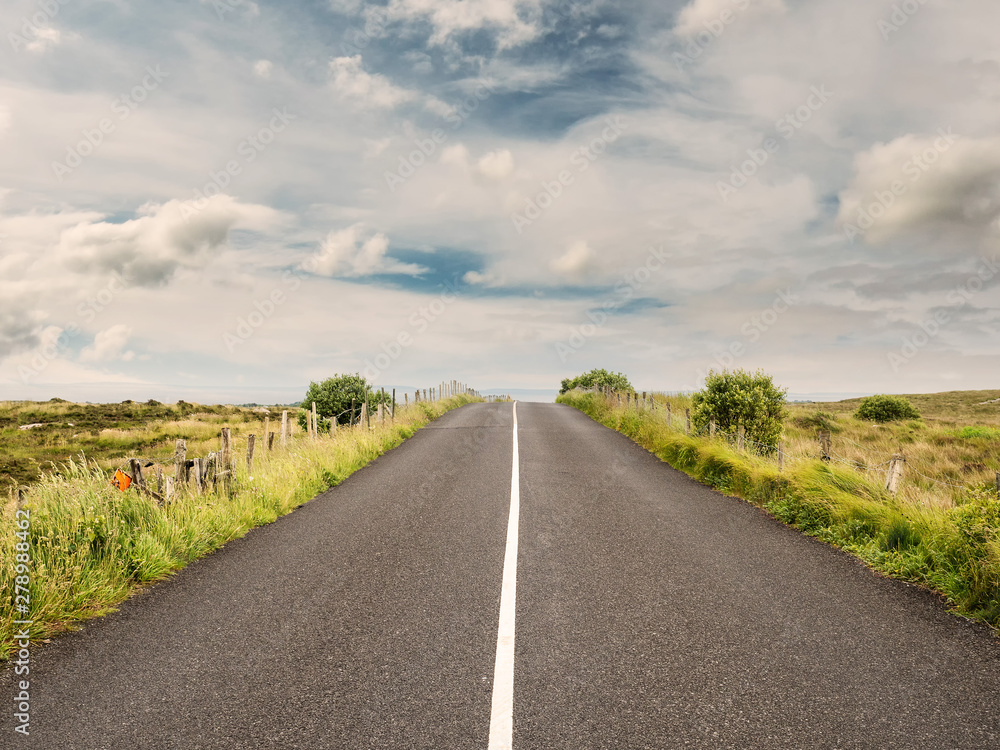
[(109, 433), (954, 446), (88, 546), (942, 529)]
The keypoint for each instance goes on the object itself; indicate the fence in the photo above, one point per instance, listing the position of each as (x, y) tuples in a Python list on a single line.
[(890, 472), (217, 470)]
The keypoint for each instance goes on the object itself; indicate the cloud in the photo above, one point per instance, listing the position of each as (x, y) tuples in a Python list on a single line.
[(936, 182), (456, 155), (515, 22), (109, 345), (19, 318), (263, 68), (166, 237), (575, 262), (348, 253), (701, 15), (351, 81), (496, 165)]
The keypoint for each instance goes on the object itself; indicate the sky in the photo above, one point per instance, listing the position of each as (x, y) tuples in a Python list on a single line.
[(222, 200)]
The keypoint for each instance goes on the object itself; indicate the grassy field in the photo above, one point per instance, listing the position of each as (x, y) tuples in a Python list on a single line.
[(942, 530), (91, 546), (109, 433)]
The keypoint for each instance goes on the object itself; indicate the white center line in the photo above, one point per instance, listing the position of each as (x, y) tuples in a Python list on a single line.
[(502, 714)]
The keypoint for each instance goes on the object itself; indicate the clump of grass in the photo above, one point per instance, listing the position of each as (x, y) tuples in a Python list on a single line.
[(953, 550), (973, 432), (91, 545)]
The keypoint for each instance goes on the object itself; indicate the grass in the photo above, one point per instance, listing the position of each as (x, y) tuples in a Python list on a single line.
[(108, 433), (92, 546), (944, 538)]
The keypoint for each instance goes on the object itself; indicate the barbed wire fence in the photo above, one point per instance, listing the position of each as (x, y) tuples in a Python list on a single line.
[(889, 473)]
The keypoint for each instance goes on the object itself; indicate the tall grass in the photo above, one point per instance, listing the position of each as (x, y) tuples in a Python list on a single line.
[(91, 546), (954, 551)]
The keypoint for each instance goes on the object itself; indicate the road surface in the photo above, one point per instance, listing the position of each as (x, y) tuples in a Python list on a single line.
[(648, 612)]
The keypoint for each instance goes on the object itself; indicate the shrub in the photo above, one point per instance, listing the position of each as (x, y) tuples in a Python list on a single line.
[(821, 420), (740, 397), (599, 379), (886, 409), (333, 398)]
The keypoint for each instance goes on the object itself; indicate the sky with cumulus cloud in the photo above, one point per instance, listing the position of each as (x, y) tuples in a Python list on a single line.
[(221, 200)]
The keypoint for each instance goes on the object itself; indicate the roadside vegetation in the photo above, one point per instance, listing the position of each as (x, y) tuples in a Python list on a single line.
[(941, 529), (91, 545), (597, 379), (56, 431)]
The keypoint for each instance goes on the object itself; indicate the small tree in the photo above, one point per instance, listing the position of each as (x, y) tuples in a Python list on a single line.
[(886, 409), (742, 398), (333, 399), (597, 378)]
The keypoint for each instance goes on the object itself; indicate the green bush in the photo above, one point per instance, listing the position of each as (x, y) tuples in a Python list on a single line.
[(886, 409), (597, 379), (742, 398), (334, 396), (821, 420)]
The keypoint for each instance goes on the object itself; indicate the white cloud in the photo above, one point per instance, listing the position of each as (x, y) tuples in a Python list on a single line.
[(515, 21), (575, 262), (109, 345), (711, 15), (457, 155), (349, 253), (351, 81), (165, 238), (496, 165), (942, 182), (263, 68)]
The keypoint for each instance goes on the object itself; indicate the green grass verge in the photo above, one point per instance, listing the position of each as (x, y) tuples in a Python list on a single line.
[(955, 552), (91, 546)]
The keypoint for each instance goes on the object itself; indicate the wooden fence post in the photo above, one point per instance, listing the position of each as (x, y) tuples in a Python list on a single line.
[(670, 420), (315, 424), (199, 479), (168, 490), (998, 481), (643, 399), (781, 455), (363, 420), (267, 429), (392, 414), (226, 454), (380, 414), (251, 444), (137, 479), (687, 426), (180, 462), (159, 481), (284, 428), (824, 444), (270, 441), (741, 438), (711, 426), (895, 473)]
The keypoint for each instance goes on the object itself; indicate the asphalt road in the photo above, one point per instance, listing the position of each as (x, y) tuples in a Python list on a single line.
[(651, 612)]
